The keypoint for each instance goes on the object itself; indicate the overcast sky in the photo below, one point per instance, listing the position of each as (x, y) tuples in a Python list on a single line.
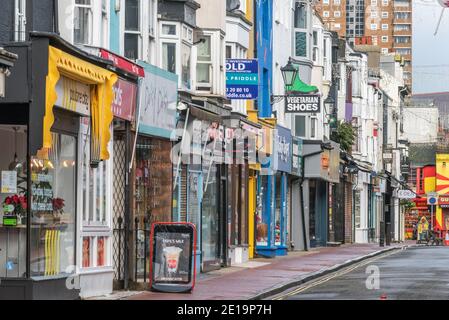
[(430, 53)]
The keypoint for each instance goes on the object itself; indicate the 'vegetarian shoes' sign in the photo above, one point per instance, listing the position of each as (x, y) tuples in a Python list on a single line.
[(303, 103)]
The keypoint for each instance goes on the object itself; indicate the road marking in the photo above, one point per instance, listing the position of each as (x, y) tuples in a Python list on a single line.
[(331, 276)]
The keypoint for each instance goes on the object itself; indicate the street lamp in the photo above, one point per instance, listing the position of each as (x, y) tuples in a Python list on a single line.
[(289, 73), (329, 104)]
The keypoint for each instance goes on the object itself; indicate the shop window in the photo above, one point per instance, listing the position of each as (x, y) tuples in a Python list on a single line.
[(53, 208), (278, 212), (82, 24), (13, 204), (132, 36), (261, 220)]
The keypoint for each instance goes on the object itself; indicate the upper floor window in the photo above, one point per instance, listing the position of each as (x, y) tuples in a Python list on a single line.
[(132, 39), (19, 20), (326, 14), (337, 14), (384, 14), (315, 51), (300, 15), (204, 62), (326, 2), (301, 33), (82, 24), (337, 2)]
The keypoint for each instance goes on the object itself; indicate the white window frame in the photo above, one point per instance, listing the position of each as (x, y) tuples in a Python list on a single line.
[(209, 62), (384, 50), (373, 26), (385, 3), (384, 39), (326, 14), (374, 2), (139, 32), (19, 20), (94, 229), (326, 2), (337, 2), (337, 26), (373, 14), (90, 27), (384, 26), (384, 14), (337, 14), (305, 30)]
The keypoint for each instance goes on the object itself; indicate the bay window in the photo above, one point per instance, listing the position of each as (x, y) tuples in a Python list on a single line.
[(83, 20), (169, 56)]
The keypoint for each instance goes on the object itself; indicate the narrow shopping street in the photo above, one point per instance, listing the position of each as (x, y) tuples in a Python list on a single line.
[(417, 273)]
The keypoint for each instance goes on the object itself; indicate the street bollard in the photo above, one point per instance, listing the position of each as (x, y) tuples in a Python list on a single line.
[(388, 234), (382, 234)]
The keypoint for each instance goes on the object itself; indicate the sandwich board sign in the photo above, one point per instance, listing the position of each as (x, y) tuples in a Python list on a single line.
[(172, 256)]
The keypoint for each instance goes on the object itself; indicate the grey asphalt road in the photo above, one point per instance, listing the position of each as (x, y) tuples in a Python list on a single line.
[(420, 273)]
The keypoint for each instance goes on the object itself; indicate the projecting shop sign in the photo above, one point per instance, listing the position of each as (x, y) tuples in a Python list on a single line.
[(242, 79), (303, 103)]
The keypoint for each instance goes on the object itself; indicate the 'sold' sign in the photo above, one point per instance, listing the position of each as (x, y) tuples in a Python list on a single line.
[(303, 103)]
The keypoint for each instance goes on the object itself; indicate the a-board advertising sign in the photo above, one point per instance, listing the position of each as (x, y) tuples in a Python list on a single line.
[(172, 267)]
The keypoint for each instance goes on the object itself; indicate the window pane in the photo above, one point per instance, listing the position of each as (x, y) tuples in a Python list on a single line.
[(169, 29), (101, 257), (81, 24), (300, 126), (53, 209), (131, 46), (185, 64), (169, 57), (203, 74), (300, 15), (204, 50), (86, 252), (132, 15), (301, 44)]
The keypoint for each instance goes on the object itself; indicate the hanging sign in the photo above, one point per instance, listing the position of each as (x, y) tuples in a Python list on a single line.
[(242, 79), (303, 103), (406, 194), (172, 267)]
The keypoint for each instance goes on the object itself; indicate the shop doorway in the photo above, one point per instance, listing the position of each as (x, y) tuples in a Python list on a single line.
[(210, 220)]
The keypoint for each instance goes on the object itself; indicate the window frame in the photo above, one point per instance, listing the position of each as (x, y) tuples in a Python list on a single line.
[(20, 9), (90, 8)]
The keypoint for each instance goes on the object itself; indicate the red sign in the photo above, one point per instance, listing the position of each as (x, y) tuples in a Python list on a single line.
[(123, 63), (124, 104)]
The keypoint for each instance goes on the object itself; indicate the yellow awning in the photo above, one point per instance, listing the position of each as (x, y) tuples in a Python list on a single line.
[(102, 94)]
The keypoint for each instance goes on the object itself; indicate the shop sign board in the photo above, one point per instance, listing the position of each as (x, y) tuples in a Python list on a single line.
[(124, 103), (158, 97), (296, 156), (73, 95), (443, 201), (283, 148), (123, 63), (303, 103), (242, 79), (406, 194), (173, 249)]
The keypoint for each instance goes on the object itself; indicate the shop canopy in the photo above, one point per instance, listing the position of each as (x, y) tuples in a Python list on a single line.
[(61, 63)]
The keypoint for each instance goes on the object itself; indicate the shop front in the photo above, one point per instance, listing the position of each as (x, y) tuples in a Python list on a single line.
[(265, 204), (44, 191), (152, 182), (283, 164), (321, 170), (201, 183)]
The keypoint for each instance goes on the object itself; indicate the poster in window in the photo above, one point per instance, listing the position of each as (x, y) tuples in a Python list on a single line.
[(100, 251), (86, 252)]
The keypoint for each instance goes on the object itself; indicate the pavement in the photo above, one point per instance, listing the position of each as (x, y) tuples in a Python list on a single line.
[(262, 278), (416, 273)]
